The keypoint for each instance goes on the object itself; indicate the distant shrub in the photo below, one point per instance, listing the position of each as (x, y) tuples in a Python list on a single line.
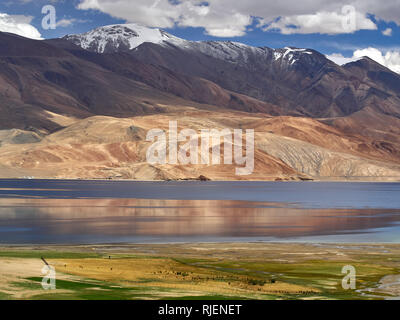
[(256, 282)]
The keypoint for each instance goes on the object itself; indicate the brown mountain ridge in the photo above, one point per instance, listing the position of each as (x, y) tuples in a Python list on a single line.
[(68, 111)]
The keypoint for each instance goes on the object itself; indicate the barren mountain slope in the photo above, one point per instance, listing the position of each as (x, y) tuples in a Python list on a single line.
[(105, 147), (299, 81), (335, 139), (81, 106), (37, 77)]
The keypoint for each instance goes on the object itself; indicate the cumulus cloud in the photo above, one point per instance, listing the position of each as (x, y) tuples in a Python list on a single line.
[(65, 22), (69, 22), (388, 32), (218, 21), (320, 22), (390, 59), (232, 18), (20, 25)]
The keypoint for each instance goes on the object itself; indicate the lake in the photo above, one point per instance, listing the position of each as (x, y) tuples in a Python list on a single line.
[(93, 212)]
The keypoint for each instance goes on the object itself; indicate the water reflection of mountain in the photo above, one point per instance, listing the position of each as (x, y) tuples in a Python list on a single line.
[(181, 218)]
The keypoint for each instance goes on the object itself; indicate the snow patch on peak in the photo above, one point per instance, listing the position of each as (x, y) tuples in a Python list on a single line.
[(120, 37), (292, 50), (290, 55), (234, 52), (277, 55)]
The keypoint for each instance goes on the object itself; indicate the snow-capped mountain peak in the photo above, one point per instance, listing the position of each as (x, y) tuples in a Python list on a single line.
[(126, 37), (120, 37), (290, 55)]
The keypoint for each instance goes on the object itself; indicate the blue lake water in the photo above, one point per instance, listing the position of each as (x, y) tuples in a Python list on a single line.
[(88, 212)]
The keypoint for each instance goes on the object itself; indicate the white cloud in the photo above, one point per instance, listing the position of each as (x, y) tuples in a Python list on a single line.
[(69, 22), (232, 18), (320, 22), (65, 22), (339, 59), (217, 21), (20, 25), (229, 25), (388, 32), (390, 59)]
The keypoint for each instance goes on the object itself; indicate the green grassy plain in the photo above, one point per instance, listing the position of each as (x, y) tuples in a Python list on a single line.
[(201, 271)]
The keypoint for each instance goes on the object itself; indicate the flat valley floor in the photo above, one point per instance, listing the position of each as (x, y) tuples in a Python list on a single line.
[(264, 271)]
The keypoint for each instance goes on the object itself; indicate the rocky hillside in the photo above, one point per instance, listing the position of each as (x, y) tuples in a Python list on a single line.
[(80, 107), (300, 81), (286, 148)]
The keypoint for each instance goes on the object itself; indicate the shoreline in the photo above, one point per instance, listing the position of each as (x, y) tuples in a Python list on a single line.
[(177, 247), (332, 180), (205, 243)]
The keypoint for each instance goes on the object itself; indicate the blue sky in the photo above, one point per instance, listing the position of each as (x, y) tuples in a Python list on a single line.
[(197, 21)]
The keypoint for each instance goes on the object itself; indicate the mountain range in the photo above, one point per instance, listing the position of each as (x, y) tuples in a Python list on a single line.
[(70, 105)]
